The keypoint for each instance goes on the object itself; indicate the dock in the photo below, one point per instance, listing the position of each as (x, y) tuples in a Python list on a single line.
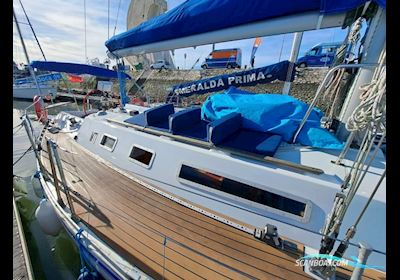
[(22, 268)]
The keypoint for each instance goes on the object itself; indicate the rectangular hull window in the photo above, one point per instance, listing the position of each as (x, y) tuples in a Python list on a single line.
[(108, 142), (242, 190), (141, 156)]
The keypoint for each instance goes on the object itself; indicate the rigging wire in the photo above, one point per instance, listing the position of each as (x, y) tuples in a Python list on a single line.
[(29, 149), (17, 130), (116, 21), (33, 31), (84, 11), (108, 20), (20, 22), (17, 126)]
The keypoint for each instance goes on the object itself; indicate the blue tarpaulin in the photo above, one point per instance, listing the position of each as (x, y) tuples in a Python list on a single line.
[(275, 113), (76, 68), (251, 77), (40, 79), (200, 16)]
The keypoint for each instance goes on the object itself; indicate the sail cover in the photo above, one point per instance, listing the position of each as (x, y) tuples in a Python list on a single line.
[(262, 75), (202, 16), (76, 68)]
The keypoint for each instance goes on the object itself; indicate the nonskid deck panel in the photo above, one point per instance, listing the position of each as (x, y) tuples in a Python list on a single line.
[(164, 238)]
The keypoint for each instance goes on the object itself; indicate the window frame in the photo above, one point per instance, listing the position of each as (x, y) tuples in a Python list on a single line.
[(93, 137), (110, 136), (153, 154), (308, 205)]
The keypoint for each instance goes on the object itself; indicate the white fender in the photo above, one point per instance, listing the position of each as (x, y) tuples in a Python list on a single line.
[(47, 218), (37, 186), (20, 185)]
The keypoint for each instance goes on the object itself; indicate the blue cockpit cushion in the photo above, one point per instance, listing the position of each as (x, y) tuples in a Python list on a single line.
[(222, 128), (184, 120), (159, 114), (262, 143), (137, 120)]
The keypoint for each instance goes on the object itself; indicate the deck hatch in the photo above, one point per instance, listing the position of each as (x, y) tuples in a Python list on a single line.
[(141, 156), (242, 190)]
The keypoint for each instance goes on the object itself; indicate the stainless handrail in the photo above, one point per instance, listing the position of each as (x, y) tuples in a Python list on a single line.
[(321, 86)]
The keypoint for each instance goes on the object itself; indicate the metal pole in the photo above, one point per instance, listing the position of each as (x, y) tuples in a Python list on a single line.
[(26, 54), (64, 181), (31, 139), (54, 172), (346, 148), (280, 53), (293, 58), (363, 254), (122, 83), (322, 85)]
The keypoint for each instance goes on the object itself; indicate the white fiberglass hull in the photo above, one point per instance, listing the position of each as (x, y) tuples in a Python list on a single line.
[(28, 92)]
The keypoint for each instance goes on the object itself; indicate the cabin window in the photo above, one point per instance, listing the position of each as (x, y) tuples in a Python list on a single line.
[(93, 137), (108, 142), (141, 156), (242, 190)]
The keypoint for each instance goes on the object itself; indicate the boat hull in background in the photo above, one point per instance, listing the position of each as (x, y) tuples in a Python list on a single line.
[(28, 92)]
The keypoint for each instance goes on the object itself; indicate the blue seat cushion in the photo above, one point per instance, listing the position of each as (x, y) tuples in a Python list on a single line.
[(262, 143), (184, 120), (222, 128), (162, 126), (137, 120), (197, 130), (157, 115)]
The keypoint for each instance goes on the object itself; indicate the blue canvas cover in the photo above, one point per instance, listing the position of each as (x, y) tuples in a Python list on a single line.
[(200, 16), (76, 68), (275, 113)]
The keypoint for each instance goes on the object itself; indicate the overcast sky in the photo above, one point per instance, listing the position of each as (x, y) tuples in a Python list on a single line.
[(60, 28)]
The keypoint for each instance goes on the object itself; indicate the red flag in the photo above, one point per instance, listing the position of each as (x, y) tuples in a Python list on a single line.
[(75, 78)]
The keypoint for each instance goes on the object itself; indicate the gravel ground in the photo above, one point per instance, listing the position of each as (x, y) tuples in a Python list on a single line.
[(303, 87)]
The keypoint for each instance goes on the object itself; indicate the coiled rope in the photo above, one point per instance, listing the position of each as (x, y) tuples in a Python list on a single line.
[(333, 89), (372, 108)]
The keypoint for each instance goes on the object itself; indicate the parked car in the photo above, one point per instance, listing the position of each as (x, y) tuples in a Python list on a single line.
[(160, 64), (224, 58), (320, 55)]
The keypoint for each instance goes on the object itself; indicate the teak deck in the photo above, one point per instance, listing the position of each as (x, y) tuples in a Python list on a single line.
[(161, 237)]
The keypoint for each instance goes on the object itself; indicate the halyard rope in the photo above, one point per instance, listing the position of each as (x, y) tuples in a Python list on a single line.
[(333, 88), (372, 107)]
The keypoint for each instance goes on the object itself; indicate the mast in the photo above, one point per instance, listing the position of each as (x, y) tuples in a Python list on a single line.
[(26, 54)]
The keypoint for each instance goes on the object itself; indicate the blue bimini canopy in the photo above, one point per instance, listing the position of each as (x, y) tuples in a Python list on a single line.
[(195, 17), (251, 77), (76, 68)]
